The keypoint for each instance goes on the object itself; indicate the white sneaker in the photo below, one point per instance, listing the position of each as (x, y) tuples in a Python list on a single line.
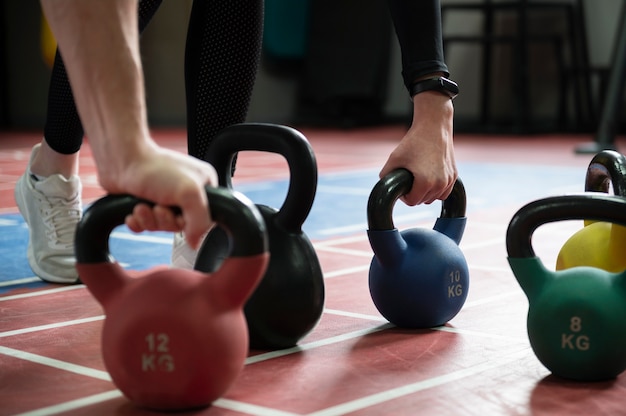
[(183, 256), (51, 207)]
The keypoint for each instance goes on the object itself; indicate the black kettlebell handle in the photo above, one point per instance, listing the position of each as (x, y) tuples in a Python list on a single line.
[(232, 210), (399, 182), (588, 206), (608, 164), (283, 140)]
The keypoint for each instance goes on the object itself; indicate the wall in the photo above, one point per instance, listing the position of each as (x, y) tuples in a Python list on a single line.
[(275, 93)]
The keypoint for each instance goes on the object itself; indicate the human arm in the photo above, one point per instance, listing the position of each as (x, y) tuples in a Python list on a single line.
[(99, 42), (427, 148)]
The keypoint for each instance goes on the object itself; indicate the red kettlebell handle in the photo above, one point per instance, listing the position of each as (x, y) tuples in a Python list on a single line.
[(231, 209)]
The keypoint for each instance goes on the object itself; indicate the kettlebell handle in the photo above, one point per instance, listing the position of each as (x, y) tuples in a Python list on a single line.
[(399, 182), (589, 206), (273, 138), (231, 209), (605, 165)]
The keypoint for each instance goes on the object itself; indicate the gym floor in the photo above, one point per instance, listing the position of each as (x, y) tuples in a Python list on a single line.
[(353, 362)]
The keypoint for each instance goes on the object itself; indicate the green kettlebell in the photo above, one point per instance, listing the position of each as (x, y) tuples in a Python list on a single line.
[(576, 324), (599, 244)]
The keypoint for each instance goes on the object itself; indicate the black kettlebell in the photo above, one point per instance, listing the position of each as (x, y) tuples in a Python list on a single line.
[(605, 168), (289, 301)]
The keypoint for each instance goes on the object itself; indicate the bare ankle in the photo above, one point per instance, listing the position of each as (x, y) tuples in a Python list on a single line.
[(46, 162)]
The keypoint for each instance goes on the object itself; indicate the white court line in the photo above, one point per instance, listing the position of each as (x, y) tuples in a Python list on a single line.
[(114, 394), (349, 270), (482, 244), (397, 220), (355, 315), (385, 396), (74, 404), (58, 364), (142, 237), (352, 252), (341, 240), (41, 292), (316, 344), (482, 334), (20, 281), (251, 409), (343, 190), (50, 326), (490, 299)]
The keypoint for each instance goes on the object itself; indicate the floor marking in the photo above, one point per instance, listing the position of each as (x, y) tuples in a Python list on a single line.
[(349, 251), (349, 270), (355, 315), (251, 409), (341, 240), (42, 292), (74, 404), (51, 362), (8, 223), (115, 394), (398, 220), (385, 396), (482, 244), (20, 281), (490, 299), (143, 237), (481, 334), (50, 326), (343, 190), (311, 345), (489, 268)]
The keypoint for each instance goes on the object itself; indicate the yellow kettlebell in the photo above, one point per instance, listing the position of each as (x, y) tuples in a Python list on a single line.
[(599, 244)]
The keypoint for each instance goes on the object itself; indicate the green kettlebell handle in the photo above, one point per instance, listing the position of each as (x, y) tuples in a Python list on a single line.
[(232, 210), (273, 138), (590, 206), (397, 183), (608, 164)]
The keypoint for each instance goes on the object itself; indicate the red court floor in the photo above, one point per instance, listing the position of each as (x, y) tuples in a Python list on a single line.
[(353, 362)]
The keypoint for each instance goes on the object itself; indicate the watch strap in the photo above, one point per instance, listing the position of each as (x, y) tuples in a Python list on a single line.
[(440, 84)]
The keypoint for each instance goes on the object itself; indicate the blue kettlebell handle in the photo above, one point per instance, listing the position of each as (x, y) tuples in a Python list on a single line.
[(604, 165), (392, 186)]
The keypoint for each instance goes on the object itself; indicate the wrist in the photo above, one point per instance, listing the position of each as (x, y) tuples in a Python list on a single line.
[(436, 83)]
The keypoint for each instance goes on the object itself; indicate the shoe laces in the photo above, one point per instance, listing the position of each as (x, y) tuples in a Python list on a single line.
[(60, 217)]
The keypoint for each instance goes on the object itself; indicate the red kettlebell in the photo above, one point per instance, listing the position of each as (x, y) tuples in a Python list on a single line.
[(174, 339)]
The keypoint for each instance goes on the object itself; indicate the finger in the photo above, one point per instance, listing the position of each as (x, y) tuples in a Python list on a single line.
[(197, 220), (141, 219), (166, 219)]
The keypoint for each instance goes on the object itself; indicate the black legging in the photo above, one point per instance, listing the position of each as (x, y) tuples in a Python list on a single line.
[(221, 60)]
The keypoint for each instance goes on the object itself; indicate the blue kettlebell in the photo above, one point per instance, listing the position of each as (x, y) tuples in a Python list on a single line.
[(418, 278)]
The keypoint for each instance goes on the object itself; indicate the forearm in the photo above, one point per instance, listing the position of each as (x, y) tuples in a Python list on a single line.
[(98, 40), (418, 28)]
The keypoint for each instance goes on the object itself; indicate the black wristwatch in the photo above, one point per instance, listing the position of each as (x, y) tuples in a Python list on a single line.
[(440, 84)]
